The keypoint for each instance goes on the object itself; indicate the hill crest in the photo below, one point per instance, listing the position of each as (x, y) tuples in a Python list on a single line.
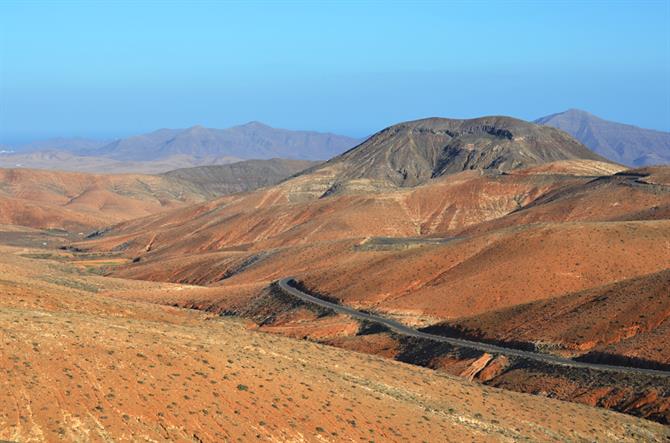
[(411, 153)]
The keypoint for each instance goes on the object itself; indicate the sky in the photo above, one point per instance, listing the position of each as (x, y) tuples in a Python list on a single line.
[(111, 69)]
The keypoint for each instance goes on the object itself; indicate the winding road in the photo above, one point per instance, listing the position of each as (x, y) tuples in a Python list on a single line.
[(397, 327)]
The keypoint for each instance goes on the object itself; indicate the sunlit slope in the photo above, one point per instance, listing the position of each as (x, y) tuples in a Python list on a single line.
[(79, 364)]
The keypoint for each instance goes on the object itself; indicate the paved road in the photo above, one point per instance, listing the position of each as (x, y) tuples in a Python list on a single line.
[(399, 328)]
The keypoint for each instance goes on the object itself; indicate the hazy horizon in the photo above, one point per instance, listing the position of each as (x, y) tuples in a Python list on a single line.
[(346, 69), (109, 138)]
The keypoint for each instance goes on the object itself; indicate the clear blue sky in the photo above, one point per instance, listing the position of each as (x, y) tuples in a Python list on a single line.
[(107, 69)]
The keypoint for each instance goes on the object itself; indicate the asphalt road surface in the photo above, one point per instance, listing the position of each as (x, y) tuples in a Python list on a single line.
[(399, 328)]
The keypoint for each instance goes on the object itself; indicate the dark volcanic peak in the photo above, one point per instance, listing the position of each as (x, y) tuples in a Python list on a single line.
[(410, 153), (626, 144)]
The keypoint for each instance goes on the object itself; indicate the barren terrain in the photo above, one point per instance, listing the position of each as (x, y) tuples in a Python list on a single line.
[(444, 254), (497, 231), (73, 201), (80, 363)]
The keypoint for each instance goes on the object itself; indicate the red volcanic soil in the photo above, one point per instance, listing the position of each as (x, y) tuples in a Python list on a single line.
[(73, 201), (628, 318), (460, 278), (638, 394), (508, 267), (524, 256), (463, 203), (642, 194), (571, 256), (78, 363), (282, 215)]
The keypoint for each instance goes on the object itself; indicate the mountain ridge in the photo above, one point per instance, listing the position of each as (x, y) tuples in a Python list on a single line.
[(621, 143), (167, 149), (252, 140)]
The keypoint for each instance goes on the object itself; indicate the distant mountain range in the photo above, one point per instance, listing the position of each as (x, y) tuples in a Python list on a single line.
[(253, 140), (67, 144), (168, 149), (625, 144)]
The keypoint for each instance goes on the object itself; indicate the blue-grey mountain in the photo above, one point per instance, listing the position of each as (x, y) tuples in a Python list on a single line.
[(253, 140), (625, 144)]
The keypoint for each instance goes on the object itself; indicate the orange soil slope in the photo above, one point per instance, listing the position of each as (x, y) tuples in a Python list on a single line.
[(463, 203), (271, 217), (629, 318), (79, 365), (642, 194), (241, 243), (463, 277), (72, 201)]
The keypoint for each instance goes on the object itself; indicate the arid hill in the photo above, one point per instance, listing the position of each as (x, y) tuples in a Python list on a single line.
[(258, 237), (638, 194), (433, 279), (412, 153), (287, 214), (76, 201), (81, 363), (626, 318)]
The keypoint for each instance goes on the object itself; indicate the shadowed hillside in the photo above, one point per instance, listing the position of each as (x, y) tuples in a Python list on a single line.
[(628, 318), (243, 176)]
